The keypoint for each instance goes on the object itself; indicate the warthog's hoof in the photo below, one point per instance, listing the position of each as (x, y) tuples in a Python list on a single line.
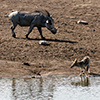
[(27, 37), (43, 38), (14, 35)]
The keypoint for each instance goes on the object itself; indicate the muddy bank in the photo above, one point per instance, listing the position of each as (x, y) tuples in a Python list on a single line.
[(41, 68), (71, 41)]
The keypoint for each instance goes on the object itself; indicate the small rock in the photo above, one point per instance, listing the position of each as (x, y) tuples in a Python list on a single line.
[(82, 22), (25, 63), (42, 42), (33, 76), (93, 29)]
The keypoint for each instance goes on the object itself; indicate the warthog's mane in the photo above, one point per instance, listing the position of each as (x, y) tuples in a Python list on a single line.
[(45, 12)]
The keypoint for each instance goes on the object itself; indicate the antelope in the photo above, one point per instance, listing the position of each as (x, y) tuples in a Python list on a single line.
[(84, 65)]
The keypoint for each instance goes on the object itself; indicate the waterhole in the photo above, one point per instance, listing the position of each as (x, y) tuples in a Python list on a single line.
[(50, 88)]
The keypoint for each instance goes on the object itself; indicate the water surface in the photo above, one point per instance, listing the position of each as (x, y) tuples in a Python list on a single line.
[(50, 88)]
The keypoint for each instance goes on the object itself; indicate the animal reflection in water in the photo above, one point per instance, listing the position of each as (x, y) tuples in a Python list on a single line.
[(84, 81), (84, 64)]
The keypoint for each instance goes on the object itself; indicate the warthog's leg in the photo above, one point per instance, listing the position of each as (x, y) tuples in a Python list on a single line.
[(13, 28), (30, 30), (40, 31)]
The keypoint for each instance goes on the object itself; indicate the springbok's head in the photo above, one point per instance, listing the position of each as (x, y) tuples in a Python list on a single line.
[(74, 63)]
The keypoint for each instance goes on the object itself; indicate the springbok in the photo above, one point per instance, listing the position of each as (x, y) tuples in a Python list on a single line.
[(84, 64)]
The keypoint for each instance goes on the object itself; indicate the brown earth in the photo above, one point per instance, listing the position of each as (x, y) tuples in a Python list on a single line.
[(71, 41)]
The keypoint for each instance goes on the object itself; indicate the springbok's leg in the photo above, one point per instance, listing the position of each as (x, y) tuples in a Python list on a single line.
[(13, 28), (40, 31), (88, 68), (85, 72), (82, 72)]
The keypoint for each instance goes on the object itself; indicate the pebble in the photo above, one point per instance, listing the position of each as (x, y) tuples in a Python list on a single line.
[(82, 22), (25, 63), (42, 42), (93, 29)]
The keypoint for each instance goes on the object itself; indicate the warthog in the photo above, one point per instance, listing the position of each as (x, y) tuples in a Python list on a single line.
[(36, 19)]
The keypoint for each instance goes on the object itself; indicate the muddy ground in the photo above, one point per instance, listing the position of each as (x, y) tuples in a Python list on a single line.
[(71, 41)]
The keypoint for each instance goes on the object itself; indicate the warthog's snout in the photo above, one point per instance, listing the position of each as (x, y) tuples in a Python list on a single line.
[(54, 30)]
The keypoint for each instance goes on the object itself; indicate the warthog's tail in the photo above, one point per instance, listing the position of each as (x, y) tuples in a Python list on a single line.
[(7, 14)]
